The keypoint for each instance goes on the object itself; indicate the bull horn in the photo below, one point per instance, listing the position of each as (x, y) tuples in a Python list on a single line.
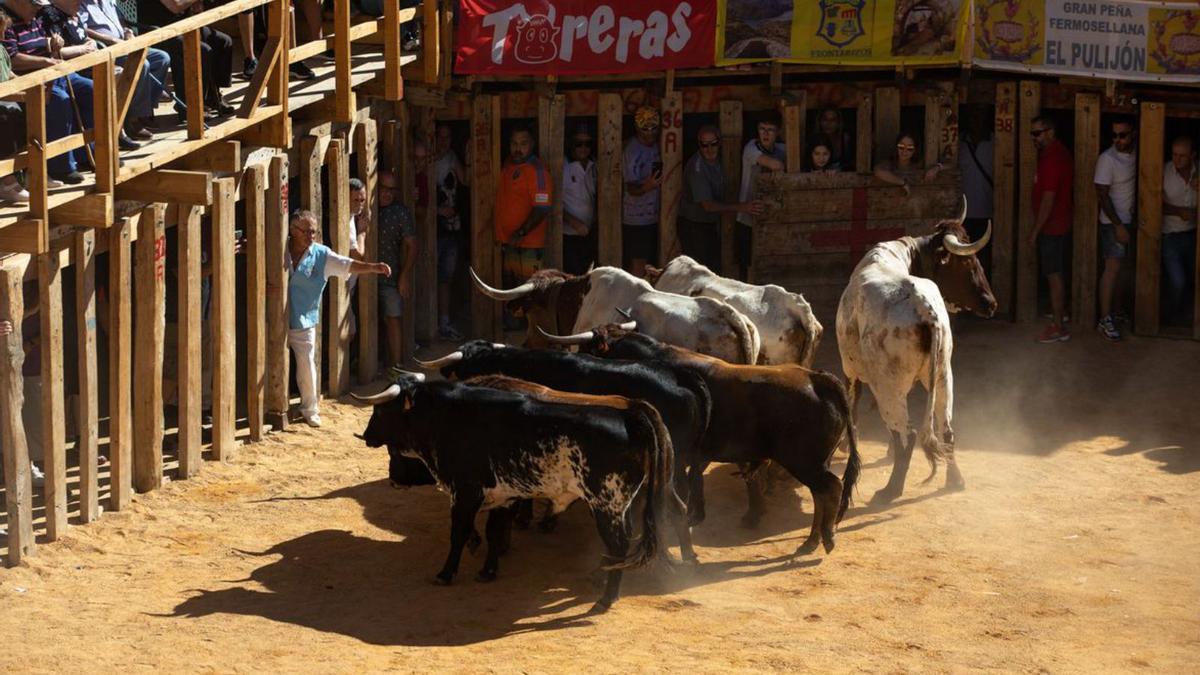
[(382, 397), (624, 312), (498, 294), (629, 326), (958, 248), (418, 377), (449, 359), (576, 339)]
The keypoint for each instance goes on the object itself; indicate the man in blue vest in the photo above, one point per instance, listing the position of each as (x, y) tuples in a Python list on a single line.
[(311, 265)]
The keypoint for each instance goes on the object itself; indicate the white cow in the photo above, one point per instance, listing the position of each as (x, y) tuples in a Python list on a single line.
[(893, 330), (787, 327), (560, 303)]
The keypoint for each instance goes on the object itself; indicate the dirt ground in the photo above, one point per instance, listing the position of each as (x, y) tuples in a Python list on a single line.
[(1073, 549)]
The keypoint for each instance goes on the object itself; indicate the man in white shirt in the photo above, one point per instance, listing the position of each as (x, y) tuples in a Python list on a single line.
[(1179, 224), (761, 155), (579, 204), (358, 242), (1116, 188)]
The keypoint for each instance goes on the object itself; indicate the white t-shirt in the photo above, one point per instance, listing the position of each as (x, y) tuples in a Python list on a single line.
[(354, 234), (579, 195), (750, 171), (1118, 170), (975, 185), (1177, 192), (636, 166)]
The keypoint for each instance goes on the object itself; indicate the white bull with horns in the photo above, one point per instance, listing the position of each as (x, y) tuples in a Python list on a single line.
[(893, 330), (560, 303)]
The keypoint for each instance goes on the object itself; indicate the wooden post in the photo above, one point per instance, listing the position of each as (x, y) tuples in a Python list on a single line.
[(1085, 228), (731, 161), (343, 93), (1196, 287), (193, 93), (934, 100), (672, 183), (864, 146), (189, 336), (484, 310), (610, 184), (106, 127), (393, 80), (339, 241), (54, 442), (425, 309), (365, 153), (1003, 175), (277, 286), (254, 200), (120, 364), (278, 28), (224, 321), (150, 271), (1149, 213), (84, 254), (887, 120), (793, 132), (1027, 268), (35, 148), (551, 123), (430, 37), (18, 488)]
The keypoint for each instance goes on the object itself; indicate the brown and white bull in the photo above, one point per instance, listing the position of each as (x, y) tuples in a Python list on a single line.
[(893, 330), (561, 303), (787, 328)]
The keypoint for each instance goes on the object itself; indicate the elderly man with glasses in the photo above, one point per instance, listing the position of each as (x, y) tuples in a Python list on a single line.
[(311, 265), (700, 210), (1052, 185)]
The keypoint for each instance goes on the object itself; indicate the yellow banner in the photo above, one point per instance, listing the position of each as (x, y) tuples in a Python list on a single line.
[(849, 32)]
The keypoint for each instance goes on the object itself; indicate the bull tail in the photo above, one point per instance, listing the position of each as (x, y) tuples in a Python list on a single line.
[(649, 432), (835, 393), (928, 438), (696, 383)]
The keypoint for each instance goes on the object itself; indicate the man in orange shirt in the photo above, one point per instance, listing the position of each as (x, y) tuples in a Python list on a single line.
[(523, 194)]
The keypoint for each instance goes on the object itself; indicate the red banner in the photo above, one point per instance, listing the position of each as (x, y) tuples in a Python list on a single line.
[(574, 37)]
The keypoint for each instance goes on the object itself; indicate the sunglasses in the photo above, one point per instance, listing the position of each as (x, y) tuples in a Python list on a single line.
[(1037, 132), (710, 144), (906, 147), (1122, 134)]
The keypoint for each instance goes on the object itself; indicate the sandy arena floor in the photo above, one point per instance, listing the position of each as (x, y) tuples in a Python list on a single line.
[(1073, 549)]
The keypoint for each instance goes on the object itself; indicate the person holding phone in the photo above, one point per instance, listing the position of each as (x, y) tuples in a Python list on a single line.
[(642, 168), (761, 155)]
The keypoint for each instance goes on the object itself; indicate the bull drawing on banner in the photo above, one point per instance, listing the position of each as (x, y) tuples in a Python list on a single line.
[(537, 38)]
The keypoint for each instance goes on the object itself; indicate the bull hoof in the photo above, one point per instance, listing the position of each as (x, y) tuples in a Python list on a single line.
[(547, 524), (443, 579), (809, 546), (884, 496), (690, 560), (954, 481), (828, 542), (486, 576), (600, 607)]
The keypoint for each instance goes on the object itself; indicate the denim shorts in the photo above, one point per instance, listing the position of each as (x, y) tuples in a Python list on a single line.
[(1109, 246), (390, 298)]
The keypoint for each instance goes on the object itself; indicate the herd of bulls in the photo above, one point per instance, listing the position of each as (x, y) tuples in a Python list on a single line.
[(670, 374)]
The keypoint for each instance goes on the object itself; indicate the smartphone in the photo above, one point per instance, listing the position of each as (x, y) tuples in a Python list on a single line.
[(238, 234)]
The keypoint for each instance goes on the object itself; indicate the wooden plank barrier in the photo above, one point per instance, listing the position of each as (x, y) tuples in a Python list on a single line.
[(189, 334), (54, 442), (1146, 305), (339, 241), (485, 312), (731, 162), (18, 485), (551, 123), (83, 253), (275, 249), (609, 184), (1027, 269), (150, 250), (672, 177), (1003, 196), (120, 363), (366, 143), (1084, 229), (224, 321), (254, 183)]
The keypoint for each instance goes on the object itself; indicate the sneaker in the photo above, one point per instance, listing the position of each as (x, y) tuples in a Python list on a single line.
[(448, 332), (313, 421), (73, 178), (1054, 333), (39, 478), (13, 192), (1108, 329), (249, 65), (53, 183), (300, 71)]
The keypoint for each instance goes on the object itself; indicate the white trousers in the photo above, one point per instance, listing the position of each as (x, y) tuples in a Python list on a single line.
[(304, 343)]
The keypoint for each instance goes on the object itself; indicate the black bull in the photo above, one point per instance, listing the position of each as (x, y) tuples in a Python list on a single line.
[(487, 447), (681, 397), (790, 415)]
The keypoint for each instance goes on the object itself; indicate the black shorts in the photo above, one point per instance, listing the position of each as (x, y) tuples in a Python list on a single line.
[(1051, 251), (639, 241)]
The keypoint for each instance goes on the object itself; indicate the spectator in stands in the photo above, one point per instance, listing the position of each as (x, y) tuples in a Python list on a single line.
[(523, 193), (31, 45), (700, 209), (1052, 197), (216, 54), (398, 249), (102, 21), (311, 265), (895, 169), (820, 156), (841, 146), (449, 175), (1179, 225), (975, 161), (762, 154), (12, 126), (1116, 188), (579, 204), (642, 168)]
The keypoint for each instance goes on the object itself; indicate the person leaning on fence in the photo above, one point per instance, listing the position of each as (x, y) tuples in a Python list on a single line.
[(1116, 189), (1179, 225), (642, 168), (397, 248), (311, 265), (1052, 206), (523, 193), (12, 125), (820, 157), (904, 160), (102, 21), (579, 204), (359, 225), (449, 175), (841, 145), (762, 154), (216, 54), (31, 46), (700, 209)]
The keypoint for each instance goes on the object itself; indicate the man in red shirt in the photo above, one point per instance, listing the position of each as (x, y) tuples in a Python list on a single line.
[(523, 193), (1052, 186)]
